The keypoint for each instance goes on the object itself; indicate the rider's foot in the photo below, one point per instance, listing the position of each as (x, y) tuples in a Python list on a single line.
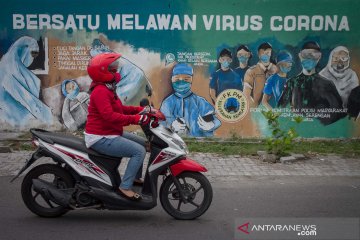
[(138, 182), (130, 194)]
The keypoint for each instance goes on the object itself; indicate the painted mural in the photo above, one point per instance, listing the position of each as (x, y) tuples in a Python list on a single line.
[(211, 71)]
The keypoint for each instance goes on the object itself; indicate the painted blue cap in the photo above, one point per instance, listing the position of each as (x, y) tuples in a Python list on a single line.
[(284, 56), (182, 68)]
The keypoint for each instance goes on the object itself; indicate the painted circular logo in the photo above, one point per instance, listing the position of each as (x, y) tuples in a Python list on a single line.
[(231, 105), (169, 58)]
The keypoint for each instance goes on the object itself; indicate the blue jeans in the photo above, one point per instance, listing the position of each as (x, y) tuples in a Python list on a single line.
[(128, 145)]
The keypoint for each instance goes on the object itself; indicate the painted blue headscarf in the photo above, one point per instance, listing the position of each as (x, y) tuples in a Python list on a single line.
[(19, 87)]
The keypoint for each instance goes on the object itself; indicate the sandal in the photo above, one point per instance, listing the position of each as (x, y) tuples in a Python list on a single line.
[(135, 197)]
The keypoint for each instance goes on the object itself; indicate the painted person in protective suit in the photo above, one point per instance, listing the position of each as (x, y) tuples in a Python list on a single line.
[(75, 107), (310, 91), (339, 72), (187, 113)]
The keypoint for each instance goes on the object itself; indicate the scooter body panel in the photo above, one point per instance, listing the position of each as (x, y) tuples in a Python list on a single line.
[(186, 165)]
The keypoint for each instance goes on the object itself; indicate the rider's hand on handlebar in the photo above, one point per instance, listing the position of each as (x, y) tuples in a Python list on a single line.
[(143, 120), (155, 123), (146, 110)]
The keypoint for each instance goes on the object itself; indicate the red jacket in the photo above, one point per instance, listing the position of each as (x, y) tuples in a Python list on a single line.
[(107, 115)]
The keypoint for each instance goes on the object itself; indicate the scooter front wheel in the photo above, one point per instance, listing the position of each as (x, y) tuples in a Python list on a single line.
[(197, 193)]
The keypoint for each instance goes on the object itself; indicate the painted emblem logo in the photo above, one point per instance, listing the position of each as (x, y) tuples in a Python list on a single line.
[(232, 105)]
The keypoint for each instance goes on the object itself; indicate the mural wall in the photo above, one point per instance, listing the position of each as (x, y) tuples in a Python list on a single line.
[(211, 70)]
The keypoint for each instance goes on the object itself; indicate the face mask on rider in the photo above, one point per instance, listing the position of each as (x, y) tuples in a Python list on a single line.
[(117, 77)]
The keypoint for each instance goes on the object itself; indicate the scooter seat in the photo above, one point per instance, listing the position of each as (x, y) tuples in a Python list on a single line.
[(107, 163), (66, 140)]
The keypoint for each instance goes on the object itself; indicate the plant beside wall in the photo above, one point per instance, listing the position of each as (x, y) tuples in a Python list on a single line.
[(282, 137)]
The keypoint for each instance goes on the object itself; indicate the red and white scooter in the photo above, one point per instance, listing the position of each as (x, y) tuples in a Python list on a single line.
[(84, 179)]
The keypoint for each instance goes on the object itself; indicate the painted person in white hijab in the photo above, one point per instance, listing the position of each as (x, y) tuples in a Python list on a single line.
[(339, 72), (19, 87), (75, 107)]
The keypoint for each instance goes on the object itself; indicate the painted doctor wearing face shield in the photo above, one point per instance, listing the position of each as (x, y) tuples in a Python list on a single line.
[(187, 113)]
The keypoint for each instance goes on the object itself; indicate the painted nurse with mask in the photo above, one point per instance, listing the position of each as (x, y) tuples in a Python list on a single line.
[(274, 85)]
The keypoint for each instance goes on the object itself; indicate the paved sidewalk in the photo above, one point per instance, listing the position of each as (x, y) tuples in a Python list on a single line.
[(227, 168)]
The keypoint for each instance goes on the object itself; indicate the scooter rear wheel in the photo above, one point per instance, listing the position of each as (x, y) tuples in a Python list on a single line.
[(37, 203), (198, 193)]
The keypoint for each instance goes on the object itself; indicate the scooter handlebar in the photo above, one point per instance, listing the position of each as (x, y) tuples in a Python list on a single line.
[(154, 114)]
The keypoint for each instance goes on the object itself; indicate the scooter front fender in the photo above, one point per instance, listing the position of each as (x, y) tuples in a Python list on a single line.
[(186, 165)]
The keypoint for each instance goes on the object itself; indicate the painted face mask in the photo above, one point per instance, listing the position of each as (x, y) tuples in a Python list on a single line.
[(308, 64), (265, 58), (181, 86), (72, 95), (243, 59), (340, 64), (285, 69), (225, 64)]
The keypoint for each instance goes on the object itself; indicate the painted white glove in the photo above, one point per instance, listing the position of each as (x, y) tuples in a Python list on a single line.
[(206, 126), (179, 126)]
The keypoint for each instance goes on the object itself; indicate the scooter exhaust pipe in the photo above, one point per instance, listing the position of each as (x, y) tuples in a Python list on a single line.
[(50, 192)]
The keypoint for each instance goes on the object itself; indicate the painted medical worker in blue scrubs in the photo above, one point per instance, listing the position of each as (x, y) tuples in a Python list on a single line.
[(275, 84)]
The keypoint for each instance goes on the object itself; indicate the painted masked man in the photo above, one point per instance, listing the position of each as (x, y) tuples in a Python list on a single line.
[(187, 113), (243, 54), (308, 90), (255, 76), (274, 85), (224, 78)]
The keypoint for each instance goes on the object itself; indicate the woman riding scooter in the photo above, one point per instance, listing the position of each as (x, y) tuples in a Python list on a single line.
[(106, 118)]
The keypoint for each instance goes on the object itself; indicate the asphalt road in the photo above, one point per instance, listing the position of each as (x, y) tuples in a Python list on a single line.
[(255, 196)]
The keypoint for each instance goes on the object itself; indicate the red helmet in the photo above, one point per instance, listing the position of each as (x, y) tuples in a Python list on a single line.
[(99, 67)]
